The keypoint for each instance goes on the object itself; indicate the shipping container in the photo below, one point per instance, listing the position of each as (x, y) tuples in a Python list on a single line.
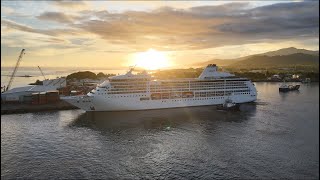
[(12, 98), (52, 96), (35, 98), (65, 91), (27, 99), (42, 98)]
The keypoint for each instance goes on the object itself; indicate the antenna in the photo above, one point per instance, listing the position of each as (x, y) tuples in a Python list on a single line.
[(131, 68)]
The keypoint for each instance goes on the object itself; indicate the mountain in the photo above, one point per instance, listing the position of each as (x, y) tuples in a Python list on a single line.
[(290, 50), (291, 60), (282, 57)]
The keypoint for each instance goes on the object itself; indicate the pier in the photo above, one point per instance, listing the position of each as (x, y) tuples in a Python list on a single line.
[(12, 108)]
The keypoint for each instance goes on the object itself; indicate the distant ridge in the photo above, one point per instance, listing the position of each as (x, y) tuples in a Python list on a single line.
[(290, 50), (260, 61), (280, 58)]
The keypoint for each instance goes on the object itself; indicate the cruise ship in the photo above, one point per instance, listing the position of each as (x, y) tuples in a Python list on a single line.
[(141, 92)]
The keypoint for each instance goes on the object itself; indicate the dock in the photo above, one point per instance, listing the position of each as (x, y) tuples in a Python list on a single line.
[(27, 108)]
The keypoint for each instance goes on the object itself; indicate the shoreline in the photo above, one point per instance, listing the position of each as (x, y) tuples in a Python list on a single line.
[(282, 81), (17, 108), (28, 108)]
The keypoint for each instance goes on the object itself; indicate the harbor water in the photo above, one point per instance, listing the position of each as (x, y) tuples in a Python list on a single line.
[(275, 137)]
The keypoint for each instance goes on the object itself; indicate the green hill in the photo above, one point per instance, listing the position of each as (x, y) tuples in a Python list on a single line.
[(82, 75), (262, 61), (284, 58)]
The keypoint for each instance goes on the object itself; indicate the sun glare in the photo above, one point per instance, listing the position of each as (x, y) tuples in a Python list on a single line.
[(151, 60)]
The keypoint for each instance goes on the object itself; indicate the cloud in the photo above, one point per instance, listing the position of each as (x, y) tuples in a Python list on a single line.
[(201, 27), (9, 11), (57, 17), (6, 10), (50, 32), (284, 20), (77, 5), (205, 26), (223, 10), (141, 29)]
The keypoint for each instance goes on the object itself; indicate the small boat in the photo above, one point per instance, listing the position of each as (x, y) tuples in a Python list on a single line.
[(25, 76), (294, 87), (228, 105), (306, 80), (285, 87)]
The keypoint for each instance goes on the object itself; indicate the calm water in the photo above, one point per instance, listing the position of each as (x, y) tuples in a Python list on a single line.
[(278, 136)]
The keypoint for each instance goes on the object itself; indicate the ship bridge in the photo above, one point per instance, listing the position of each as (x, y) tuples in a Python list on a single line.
[(211, 72), (130, 76)]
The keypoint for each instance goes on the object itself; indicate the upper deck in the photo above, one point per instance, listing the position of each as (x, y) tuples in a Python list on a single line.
[(209, 74), (143, 76)]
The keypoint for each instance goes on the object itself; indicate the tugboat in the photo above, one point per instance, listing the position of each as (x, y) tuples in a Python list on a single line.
[(285, 88), (294, 87), (228, 105)]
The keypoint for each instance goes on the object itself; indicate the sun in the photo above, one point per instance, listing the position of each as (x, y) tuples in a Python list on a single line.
[(151, 59)]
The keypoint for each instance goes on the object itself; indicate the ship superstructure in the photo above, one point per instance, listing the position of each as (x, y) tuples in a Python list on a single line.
[(140, 91)]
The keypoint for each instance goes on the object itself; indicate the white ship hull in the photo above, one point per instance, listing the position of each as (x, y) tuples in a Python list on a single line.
[(139, 92), (88, 103)]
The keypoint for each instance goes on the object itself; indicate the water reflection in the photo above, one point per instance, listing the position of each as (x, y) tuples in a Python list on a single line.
[(164, 119), (184, 143), (284, 95)]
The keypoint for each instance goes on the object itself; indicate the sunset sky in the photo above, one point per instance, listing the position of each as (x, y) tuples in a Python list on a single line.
[(114, 34)]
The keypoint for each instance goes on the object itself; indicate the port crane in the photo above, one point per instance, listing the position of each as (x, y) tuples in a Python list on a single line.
[(15, 70), (42, 73)]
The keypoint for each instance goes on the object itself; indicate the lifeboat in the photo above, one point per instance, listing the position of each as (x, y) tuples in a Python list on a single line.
[(175, 95), (187, 94), (165, 95), (155, 96)]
